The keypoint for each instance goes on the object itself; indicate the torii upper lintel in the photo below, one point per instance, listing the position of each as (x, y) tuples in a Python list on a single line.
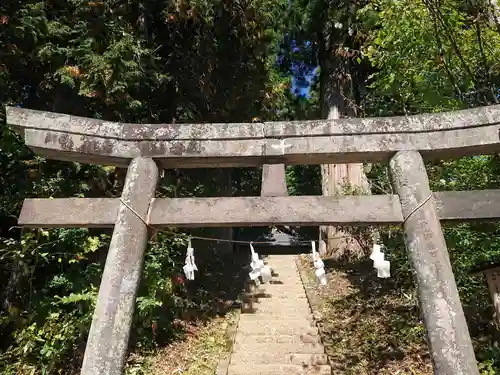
[(85, 140)]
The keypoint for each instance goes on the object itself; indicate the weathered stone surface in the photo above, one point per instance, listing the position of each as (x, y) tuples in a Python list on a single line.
[(467, 205), (278, 286), (223, 365), (262, 317), (273, 307), (452, 134), (289, 327), (447, 333), (279, 370), (69, 213), (280, 339), (468, 118), (257, 298), (101, 212), (290, 302), (108, 337), (280, 336), (288, 277), (60, 122), (277, 347), (265, 211), (273, 181), (248, 358)]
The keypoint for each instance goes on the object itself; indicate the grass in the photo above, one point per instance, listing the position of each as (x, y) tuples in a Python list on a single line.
[(197, 354)]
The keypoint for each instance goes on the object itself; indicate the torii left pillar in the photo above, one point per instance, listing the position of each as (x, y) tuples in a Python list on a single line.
[(108, 338)]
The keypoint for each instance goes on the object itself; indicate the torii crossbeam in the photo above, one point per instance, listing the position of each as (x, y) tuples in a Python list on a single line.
[(143, 148)]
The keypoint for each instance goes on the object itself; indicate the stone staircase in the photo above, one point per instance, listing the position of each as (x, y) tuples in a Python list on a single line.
[(276, 333)]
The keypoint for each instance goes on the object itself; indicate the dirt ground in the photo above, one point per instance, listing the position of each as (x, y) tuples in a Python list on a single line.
[(197, 354), (367, 327)]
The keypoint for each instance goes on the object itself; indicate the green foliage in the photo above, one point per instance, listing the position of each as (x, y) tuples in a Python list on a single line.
[(212, 60), (429, 57)]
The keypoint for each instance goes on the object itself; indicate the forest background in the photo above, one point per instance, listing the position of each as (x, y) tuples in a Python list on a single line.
[(163, 61)]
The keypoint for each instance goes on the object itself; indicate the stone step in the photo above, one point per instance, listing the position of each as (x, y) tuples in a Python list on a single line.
[(290, 301), (275, 296), (283, 282), (276, 333), (285, 263), (279, 271), (278, 290), (288, 260), (291, 291), (281, 294), (279, 339), (278, 266), (265, 358), (291, 327), (276, 308), (258, 308), (258, 317), (278, 348), (284, 271), (285, 285), (290, 284), (276, 319), (266, 306), (279, 298), (286, 277), (283, 314), (278, 370)]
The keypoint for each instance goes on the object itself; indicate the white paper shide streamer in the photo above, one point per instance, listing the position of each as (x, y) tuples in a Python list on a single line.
[(190, 265), (382, 266), (259, 268), (319, 265)]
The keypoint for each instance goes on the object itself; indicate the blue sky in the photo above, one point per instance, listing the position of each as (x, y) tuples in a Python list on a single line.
[(303, 73), (301, 83)]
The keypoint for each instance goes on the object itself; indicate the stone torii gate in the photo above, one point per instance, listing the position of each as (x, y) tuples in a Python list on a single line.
[(144, 148)]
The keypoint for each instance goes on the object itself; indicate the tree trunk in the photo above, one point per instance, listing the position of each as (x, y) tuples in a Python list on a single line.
[(337, 101)]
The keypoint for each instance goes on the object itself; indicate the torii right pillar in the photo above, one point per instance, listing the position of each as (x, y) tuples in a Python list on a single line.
[(448, 336)]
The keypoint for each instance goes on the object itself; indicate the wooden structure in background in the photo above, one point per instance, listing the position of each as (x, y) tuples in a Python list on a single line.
[(492, 275), (402, 141)]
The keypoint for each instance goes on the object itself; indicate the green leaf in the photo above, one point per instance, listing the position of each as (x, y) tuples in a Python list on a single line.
[(92, 244)]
